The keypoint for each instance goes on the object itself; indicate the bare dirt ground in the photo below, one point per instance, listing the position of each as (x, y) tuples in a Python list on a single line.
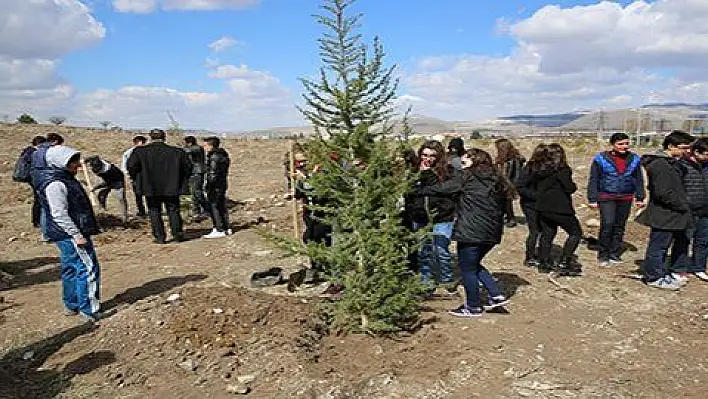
[(601, 335)]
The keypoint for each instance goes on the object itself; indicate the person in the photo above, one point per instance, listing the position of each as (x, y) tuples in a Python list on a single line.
[(70, 224), (39, 167), (455, 151), (528, 192), (317, 230), (482, 191), (161, 173), (694, 173), (615, 181), (23, 174), (668, 212), (196, 180), (434, 258), (216, 184), (138, 141), (554, 206), (510, 162), (112, 180)]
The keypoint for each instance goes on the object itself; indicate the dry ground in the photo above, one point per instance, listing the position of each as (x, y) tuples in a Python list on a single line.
[(606, 335)]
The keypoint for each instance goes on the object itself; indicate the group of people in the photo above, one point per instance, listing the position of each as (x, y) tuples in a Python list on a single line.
[(468, 197), (158, 172)]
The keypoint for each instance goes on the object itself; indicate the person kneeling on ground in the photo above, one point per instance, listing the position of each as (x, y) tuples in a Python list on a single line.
[(215, 186), (70, 224), (113, 179), (483, 192)]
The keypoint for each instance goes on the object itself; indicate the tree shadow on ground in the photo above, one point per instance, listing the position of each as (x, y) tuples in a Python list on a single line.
[(155, 287), (19, 276), (509, 283), (22, 377), (193, 234)]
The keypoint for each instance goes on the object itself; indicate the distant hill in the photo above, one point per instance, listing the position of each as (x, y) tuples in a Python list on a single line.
[(550, 120)]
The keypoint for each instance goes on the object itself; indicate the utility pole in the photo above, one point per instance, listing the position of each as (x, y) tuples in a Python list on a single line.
[(639, 127), (601, 126)]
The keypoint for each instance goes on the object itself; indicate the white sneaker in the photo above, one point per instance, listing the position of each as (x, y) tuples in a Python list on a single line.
[(679, 277), (229, 232), (215, 234), (701, 276), (665, 283)]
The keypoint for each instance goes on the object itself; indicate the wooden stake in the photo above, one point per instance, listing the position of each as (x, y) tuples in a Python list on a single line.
[(88, 183), (291, 176)]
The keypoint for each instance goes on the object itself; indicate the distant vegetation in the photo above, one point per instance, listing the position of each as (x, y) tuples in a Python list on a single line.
[(26, 119)]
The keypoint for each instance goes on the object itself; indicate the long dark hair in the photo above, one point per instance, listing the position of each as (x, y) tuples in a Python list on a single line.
[(539, 159), (439, 167), (481, 161), (558, 158), (505, 152)]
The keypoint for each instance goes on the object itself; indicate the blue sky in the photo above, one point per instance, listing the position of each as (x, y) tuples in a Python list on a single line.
[(129, 61)]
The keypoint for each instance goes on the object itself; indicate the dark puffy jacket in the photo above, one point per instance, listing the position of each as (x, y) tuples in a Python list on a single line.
[(217, 170), (443, 208), (604, 177), (197, 156), (39, 162), (159, 169), (480, 219), (23, 167), (526, 186), (668, 207), (80, 209), (554, 189), (695, 182)]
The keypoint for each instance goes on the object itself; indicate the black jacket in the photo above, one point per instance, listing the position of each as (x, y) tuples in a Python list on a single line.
[(526, 187), (553, 191), (217, 170), (197, 156), (159, 169), (443, 208), (668, 207), (480, 216), (695, 182)]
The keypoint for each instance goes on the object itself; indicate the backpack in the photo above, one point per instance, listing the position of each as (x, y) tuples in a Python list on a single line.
[(23, 166)]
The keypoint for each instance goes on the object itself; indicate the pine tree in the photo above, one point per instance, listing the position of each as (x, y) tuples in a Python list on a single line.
[(362, 178)]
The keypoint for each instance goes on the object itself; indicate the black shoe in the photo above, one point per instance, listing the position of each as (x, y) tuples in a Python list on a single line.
[(570, 268), (545, 266), (159, 241), (510, 224), (179, 238), (532, 262)]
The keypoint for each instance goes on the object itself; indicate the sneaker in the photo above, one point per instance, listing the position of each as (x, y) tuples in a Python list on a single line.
[(215, 234), (531, 262), (68, 312), (570, 268), (603, 263), (464, 311), (701, 276), (88, 318), (510, 224), (616, 260), (682, 278), (665, 283), (496, 302), (229, 232)]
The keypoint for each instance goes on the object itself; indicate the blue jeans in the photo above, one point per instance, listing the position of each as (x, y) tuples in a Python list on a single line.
[(696, 263), (434, 258), (473, 273), (80, 277), (660, 241)]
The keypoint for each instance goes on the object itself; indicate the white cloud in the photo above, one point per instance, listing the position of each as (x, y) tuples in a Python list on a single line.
[(148, 6), (576, 57), (135, 6), (224, 43), (250, 99), (48, 29)]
